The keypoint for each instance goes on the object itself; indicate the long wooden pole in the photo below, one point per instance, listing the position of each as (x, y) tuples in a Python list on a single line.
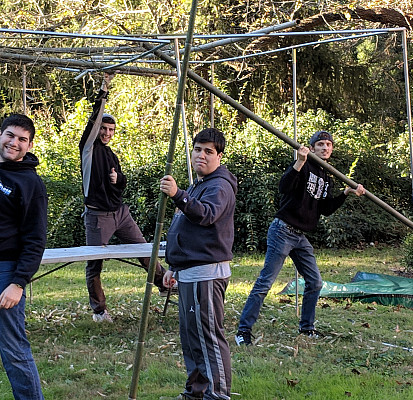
[(295, 145), (162, 205)]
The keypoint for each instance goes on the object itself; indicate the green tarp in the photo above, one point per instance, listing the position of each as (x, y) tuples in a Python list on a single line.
[(365, 287)]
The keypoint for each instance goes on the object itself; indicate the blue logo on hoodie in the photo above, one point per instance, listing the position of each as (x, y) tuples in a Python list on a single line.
[(5, 190)]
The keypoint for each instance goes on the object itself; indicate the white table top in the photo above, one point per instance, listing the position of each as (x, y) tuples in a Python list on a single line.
[(83, 253)]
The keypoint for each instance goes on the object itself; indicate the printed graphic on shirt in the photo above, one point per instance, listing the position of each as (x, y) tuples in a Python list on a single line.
[(317, 186), (4, 189)]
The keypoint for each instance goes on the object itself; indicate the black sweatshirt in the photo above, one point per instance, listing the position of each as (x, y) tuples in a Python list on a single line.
[(23, 216), (97, 161), (306, 195)]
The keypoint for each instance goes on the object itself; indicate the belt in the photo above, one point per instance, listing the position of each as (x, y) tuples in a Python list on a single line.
[(92, 207), (96, 211), (291, 228)]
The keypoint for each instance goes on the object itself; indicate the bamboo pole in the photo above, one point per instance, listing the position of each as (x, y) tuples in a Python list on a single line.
[(295, 145), (184, 125), (162, 205), (247, 36), (408, 103)]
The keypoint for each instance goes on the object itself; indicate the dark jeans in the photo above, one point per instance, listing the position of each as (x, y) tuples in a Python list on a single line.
[(283, 242), (205, 349), (100, 227), (14, 347)]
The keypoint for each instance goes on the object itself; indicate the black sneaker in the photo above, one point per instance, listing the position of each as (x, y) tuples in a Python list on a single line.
[(312, 333), (243, 338)]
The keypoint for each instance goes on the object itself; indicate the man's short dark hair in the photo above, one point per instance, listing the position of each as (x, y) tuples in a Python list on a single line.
[(20, 120), (108, 119), (211, 135)]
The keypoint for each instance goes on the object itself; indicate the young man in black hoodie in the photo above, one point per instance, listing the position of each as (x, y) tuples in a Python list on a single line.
[(105, 213), (306, 195), (198, 251), (23, 216)]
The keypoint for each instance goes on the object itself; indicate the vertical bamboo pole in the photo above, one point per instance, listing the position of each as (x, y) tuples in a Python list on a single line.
[(184, 125), (408, 105), (162, 207), (24, 94), (294, 54), (211, 101)]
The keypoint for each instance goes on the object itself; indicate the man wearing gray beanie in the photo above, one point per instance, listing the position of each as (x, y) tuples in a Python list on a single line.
[(306, 195)]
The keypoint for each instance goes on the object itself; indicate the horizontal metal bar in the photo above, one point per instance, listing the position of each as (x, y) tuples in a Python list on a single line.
[(287, 48), (84, 36)]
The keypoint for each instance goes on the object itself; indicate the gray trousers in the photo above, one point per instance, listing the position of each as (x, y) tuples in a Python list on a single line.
[(100, 227), (205, 349)]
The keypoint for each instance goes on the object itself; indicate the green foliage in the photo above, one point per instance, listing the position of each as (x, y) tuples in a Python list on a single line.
[(407, 249), (255, 156), (65, 225)]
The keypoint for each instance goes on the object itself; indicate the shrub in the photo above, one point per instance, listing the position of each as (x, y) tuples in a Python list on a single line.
[(257, 159), (407, 248), (65, 224)]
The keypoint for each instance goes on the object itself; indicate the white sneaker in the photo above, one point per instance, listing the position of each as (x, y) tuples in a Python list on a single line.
[(102, 317)]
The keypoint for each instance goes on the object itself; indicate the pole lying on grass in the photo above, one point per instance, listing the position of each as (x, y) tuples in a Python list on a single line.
[(229, 100), (162, 206)]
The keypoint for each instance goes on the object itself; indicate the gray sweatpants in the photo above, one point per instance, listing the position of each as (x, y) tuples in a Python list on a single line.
[(100, 227), (205, 349)]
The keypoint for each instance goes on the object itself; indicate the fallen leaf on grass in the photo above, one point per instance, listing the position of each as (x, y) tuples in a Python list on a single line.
[(365, 325), (404, 383), (348, 394), (292, 382), (285, 301)]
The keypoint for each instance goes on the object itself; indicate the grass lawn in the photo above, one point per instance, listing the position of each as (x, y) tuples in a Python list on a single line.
[(79, 359)]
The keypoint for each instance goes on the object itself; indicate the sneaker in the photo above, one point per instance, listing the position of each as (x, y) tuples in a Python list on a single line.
[(163, 292), (312, 333), (243, 338), (104, 316)]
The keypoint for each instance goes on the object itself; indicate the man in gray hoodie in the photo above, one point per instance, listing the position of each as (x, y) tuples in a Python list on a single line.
[(198, 251)]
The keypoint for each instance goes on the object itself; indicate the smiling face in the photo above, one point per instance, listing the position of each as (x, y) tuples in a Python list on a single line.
[(322, 149), (14, 143), (106, 132), (205, 159)]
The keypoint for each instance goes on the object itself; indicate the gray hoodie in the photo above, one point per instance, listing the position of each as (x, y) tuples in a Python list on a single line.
[(202, 231)]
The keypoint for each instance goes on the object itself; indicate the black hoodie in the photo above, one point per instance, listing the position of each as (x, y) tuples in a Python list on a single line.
[(306, 195), (97, 161), (202, 232), (23, 216)]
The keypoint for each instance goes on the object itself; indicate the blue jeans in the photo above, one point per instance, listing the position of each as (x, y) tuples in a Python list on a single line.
[(282, 241), (14, 347)]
